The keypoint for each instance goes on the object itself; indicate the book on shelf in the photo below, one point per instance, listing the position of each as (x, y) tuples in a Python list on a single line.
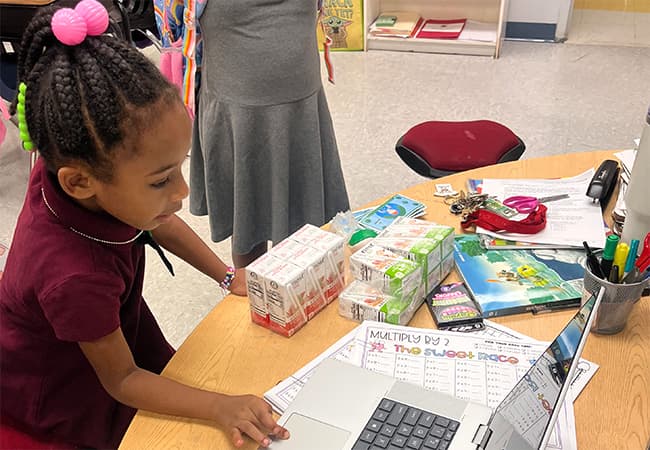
[(440, 29), (402, 24), (504, 282)]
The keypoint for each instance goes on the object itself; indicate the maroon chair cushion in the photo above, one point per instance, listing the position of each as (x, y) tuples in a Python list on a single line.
[(438, 148)]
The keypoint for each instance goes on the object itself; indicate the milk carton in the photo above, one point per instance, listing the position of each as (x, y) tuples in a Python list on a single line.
[(387, 271), (333, 247), (312, 262), (286, 287), (255, 286), (315, 263), (360, 301)]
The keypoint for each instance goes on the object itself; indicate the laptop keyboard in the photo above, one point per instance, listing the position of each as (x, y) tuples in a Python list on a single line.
[(395, 426)]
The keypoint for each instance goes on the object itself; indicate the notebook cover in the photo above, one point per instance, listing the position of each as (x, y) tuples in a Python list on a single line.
[(506, 282)]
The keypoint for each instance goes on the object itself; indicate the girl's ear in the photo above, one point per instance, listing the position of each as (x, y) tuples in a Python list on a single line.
[(76, 181)]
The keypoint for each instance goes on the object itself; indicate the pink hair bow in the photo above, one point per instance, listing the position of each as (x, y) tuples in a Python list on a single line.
[(88, 18)]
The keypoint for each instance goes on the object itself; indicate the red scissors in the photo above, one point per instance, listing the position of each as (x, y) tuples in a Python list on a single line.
[(526, 204)]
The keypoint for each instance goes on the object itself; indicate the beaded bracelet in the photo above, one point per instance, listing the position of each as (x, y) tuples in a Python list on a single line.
[(227, 280)]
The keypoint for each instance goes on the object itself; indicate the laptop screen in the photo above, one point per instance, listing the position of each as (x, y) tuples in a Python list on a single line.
[(530, 404)]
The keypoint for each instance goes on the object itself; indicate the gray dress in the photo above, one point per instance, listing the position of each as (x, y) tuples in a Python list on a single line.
[(264, 156)]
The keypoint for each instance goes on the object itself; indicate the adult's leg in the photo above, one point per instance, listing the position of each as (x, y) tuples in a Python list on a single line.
[(242, 260)]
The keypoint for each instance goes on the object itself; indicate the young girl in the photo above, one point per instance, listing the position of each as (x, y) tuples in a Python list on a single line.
[(80, 348)]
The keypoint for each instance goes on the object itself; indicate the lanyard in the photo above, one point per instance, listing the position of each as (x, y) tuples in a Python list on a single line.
[(532, 224)]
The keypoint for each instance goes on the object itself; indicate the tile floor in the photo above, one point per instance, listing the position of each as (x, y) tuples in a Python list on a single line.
[(558, 98), (601, 27)]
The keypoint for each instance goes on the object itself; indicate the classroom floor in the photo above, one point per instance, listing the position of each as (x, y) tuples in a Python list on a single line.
[(558, 98), (603, 27)]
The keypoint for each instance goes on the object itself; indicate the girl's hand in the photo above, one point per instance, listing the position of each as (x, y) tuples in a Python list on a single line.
[(250, 415), (238, 285)]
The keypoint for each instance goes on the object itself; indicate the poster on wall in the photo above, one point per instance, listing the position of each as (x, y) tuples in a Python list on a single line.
[(343, 23)]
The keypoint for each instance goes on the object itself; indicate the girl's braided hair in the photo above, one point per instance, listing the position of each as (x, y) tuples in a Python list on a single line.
[(84, 101)]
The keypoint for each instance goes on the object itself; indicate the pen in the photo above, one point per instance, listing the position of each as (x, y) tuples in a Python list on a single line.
[(608, 254), (592, 262), (631, 255), (620, 256), (613, 274)]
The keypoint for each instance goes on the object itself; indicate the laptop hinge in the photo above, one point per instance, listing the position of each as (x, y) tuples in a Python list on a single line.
[(482, 436)]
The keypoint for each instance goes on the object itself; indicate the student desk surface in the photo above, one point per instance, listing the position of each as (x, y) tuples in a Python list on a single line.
[(228, 353)]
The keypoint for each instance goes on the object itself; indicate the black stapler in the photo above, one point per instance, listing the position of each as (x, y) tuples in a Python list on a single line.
[(602, 184)]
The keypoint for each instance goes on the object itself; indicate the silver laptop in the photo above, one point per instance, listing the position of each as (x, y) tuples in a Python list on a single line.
[(347, 407)]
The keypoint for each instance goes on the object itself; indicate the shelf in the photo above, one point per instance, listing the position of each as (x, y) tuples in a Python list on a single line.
[(490, 12), (457, 46)]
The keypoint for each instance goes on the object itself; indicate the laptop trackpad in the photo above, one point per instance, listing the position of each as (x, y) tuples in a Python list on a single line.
[(312, 434)]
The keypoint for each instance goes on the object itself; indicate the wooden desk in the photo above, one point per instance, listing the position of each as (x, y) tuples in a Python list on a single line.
[(228, 353)]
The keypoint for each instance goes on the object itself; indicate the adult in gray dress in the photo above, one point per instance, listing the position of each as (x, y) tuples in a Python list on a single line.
[(264, 157)]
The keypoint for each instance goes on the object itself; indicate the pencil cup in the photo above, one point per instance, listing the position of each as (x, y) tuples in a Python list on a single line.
[(617, 303)]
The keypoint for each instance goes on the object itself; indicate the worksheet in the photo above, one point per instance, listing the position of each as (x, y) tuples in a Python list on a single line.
[(479, 366), (569, 221)]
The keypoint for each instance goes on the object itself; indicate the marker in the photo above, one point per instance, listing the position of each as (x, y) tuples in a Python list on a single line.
[(620, 256), (592, 262), (631, 255), (608, 254), (613, 274)]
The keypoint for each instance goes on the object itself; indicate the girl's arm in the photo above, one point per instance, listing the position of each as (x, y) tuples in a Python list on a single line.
[(177, 237), (113, 362)]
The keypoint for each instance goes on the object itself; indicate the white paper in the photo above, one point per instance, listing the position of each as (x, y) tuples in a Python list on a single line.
[(479, 31), (463, 378), (568, 221), (627, 158)]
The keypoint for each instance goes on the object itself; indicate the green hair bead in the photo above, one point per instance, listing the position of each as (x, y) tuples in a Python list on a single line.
[(22, 120)]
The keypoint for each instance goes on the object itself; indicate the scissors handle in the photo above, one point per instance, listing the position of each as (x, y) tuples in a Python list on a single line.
[(522, 203)]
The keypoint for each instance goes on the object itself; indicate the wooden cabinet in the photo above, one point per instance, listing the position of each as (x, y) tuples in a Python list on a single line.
[(492, 13)]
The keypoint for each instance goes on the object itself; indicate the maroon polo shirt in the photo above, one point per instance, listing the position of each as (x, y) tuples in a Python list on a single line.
[(62, 285)]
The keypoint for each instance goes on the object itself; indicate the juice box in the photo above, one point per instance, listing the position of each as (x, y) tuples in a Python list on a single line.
[(315, 263), (360, 301), (386, 270), (424, 251), (255, 286), (416, 228), (333, 247), (286, 286)]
